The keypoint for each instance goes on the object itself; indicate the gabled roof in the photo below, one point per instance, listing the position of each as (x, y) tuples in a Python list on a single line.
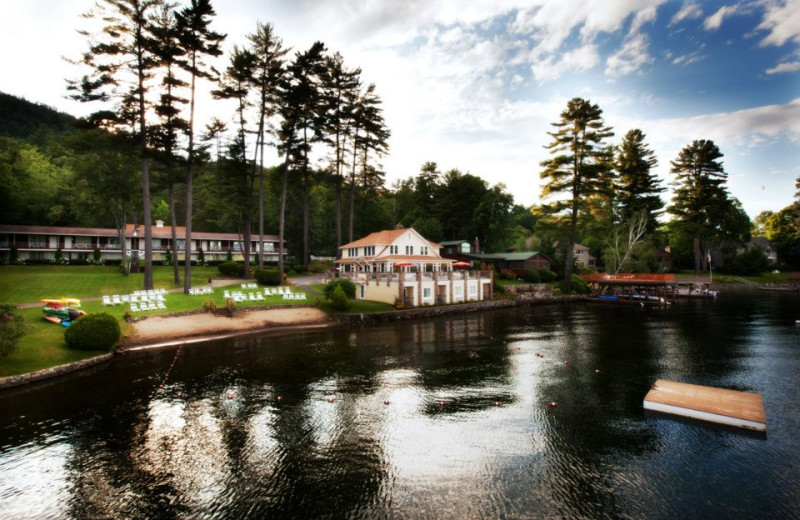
[(378, 238), (453, 242)]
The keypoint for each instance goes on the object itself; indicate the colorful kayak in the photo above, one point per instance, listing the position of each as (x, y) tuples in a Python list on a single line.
[(63, 302)]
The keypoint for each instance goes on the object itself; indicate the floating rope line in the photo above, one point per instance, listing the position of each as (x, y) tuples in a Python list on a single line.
[(166, 376)]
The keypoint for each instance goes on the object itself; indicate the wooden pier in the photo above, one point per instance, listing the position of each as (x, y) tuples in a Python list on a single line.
[(717, 405)]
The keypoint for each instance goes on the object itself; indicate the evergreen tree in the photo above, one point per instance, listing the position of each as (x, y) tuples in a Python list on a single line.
[(235, 85), (637, 187), (576, 170), (122, 56), (198, 41), (268, 70), (701, 203)]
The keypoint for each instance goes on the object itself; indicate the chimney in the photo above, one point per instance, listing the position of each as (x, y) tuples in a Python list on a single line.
[(159, 223)]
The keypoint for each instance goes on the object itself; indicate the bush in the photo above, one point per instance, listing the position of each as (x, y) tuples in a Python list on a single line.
[(231, 269), (93, 332), (532, 276), (318, 266), (339, 301), (167, 258), (201, 257), (12, 327), (506, 274), (578, 286), (752, 262), (347, 286), (13, 255), (546, 275), (298, 268), (267, 276), (96, 259)]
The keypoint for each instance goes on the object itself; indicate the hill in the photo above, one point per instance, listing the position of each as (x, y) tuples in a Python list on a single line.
[(21, 118)]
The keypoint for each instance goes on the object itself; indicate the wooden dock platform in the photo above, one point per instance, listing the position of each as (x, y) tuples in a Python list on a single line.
[(717, 405)]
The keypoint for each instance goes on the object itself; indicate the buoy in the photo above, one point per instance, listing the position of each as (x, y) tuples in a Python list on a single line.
[(331, 399), (553, 403), (597, 371), (386, 402), (229, 396), (280, 398), (181, 395), (497, 403), (441, 403), (566, 362)]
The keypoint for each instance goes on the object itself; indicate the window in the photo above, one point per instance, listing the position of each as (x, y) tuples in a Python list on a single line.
[(423, 250), (352, 252), (409, 250), (393, 250), (36, 241), (426, 293), (473, 291), (369, 251), (458, 291)]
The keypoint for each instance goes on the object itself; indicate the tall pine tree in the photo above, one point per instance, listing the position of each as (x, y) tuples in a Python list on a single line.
[(576, 171)]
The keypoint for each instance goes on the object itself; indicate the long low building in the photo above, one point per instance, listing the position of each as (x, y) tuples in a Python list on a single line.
[(42, 242)]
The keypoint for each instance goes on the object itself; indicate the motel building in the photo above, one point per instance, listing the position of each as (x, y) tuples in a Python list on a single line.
[(41, 243), (401, 266)]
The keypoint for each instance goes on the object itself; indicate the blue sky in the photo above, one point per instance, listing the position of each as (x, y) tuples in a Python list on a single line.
[(475, 84)]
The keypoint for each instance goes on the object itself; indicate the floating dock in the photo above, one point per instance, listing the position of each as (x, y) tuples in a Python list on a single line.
[(717, 405)]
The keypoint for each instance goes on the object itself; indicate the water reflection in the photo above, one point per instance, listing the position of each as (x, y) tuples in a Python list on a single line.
[(447, 418)]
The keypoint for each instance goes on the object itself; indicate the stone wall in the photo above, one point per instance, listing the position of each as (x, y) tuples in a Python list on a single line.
[(39, 375), (444, 310)]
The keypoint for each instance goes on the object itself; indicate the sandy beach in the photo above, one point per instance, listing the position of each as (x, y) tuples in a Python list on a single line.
[(156, 330)]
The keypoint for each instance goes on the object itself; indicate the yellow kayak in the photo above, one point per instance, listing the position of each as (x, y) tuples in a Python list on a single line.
[(62, 302)]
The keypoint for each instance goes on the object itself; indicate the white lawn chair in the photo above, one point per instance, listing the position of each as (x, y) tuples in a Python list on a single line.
[(251, 297), (126, 298), (160, 297), (161, 306), (300, 296), (107, 300), (227, 294), (259, 296), (115, 300), (134, 308)]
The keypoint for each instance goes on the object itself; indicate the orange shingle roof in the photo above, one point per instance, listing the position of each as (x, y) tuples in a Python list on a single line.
[(378, 238)]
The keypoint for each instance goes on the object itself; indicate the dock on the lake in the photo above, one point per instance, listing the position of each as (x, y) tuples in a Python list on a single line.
[(717, 405)]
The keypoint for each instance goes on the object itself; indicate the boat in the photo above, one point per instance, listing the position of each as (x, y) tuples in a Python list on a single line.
[(62, 311)]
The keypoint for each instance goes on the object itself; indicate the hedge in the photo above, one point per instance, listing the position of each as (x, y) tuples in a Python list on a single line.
[(98, 331)]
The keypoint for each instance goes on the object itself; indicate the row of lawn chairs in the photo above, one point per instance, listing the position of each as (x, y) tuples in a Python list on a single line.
[(294, 296), (143, 296), (148, 306), (197, 291), (250, 285)]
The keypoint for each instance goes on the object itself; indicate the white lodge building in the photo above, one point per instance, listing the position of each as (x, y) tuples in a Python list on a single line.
[(402, 266)]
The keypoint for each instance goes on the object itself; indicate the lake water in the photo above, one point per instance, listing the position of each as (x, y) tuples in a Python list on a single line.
[(445, 418)]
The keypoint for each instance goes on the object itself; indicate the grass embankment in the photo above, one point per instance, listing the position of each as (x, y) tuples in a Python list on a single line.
[(43, 344)]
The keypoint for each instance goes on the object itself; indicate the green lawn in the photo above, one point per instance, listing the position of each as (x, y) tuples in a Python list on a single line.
[(25, 284), (43, 344)]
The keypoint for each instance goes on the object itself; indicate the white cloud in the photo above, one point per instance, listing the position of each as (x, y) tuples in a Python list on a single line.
[(789, 66), (580, 59), (688, 59), (689, 11), (782, 22), (630, 58), (713, 22)]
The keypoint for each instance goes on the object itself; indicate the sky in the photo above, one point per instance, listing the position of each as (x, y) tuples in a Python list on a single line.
[(476, 84)]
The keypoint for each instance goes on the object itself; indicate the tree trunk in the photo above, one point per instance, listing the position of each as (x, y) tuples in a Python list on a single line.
[(282, 216), (698, 255), (573, 232), (123, 248), (261, 209), (148, 231), (306, 225), (338, 212), (173, 221), (187, 266), (247, 239)]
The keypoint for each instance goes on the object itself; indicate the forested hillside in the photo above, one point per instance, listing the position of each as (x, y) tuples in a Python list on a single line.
[(22, 118)]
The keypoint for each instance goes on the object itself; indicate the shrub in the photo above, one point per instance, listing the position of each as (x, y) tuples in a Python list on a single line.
[(93, 332), (59, 259), (96, 259), (299, 268), (229, 256), (231, 269), (347, 286), (752, 262), (339, 301), (267, 276), (578, 286), (12, 327), (201, 257), (167, 257), (13, 255), (546, 275), (318, 266), (506, 274), (532, 276)]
